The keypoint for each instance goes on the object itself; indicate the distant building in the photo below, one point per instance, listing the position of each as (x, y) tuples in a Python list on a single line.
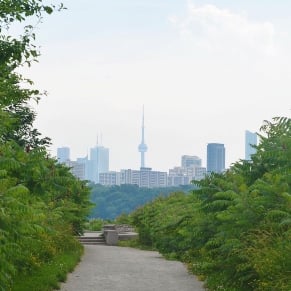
[(215, 158), (190, 161), (99, 162), (142, 148), (85, 165), (250, 141), (110, 178), (86, 168), (200, 173), (63, 155), (189, 170), (174, 181), (183, 176), (130, 177), (144, 177), (152, 179), (78, 169)]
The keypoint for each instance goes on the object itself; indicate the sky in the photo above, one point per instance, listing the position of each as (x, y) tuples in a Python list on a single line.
[(205, 71)]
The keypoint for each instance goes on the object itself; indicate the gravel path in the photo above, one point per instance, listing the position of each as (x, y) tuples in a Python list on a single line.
[(108, 268)]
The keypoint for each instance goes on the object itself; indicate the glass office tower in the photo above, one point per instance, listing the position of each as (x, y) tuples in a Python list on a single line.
[(215, 158)]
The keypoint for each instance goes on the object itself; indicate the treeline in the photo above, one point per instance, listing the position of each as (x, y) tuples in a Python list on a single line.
[(116, 200), (42, 205), (234, 232)]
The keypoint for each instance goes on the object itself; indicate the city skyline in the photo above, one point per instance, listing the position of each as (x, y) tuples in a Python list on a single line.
[(205, 70), (215, 153), (96, 167), (249, 138), (63, 155)]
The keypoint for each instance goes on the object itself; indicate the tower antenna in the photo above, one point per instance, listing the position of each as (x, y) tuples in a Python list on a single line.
[(142, 148)]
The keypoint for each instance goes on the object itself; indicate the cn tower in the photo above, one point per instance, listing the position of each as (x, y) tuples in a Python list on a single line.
[(142, 148)]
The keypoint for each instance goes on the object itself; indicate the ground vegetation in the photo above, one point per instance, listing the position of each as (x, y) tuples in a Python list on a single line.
[(42, 205), (234, 231)]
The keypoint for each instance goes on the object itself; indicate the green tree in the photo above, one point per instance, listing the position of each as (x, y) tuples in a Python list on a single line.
[(234, 231), (42, 205), (17, 51)]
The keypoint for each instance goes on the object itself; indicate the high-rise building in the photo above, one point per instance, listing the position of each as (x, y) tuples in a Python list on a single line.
[(87, 168), (63, 155), (250, 141), (78, 169), (190, 161), (151, 179), (99, 162), (190, 170), (176, 181), (110, 178), (145, 177), (84, 163), (142, 148), (215, 157)]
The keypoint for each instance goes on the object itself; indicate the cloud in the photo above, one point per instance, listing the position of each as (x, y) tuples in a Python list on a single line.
[(218, 29)]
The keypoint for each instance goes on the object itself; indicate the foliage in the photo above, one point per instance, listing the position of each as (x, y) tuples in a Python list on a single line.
[(42, 205), (234, 231), (114, 201), (48, 277), (95, 224)]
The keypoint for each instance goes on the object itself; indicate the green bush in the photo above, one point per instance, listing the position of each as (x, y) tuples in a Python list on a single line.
[(42, 205), (48, 276), (234, 230), (94, 224)]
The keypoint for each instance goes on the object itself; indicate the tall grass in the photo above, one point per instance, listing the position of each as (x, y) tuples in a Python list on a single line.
[(48, 277)]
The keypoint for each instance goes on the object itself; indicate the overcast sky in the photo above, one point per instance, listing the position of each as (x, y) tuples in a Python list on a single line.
[(205, 72)]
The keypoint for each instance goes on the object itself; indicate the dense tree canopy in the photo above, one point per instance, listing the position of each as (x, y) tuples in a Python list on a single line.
[(42, 205), (111, 202), (235, 230), (16, 51)]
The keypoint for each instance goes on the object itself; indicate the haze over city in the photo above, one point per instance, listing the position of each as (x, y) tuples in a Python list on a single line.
[(205, 72)]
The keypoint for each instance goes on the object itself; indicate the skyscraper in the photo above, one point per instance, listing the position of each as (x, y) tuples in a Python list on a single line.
[(142, 148), (215, 158), (250, 139), (190, 170), (99, 162), (190, 161), (63, 155), (78, 169)]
